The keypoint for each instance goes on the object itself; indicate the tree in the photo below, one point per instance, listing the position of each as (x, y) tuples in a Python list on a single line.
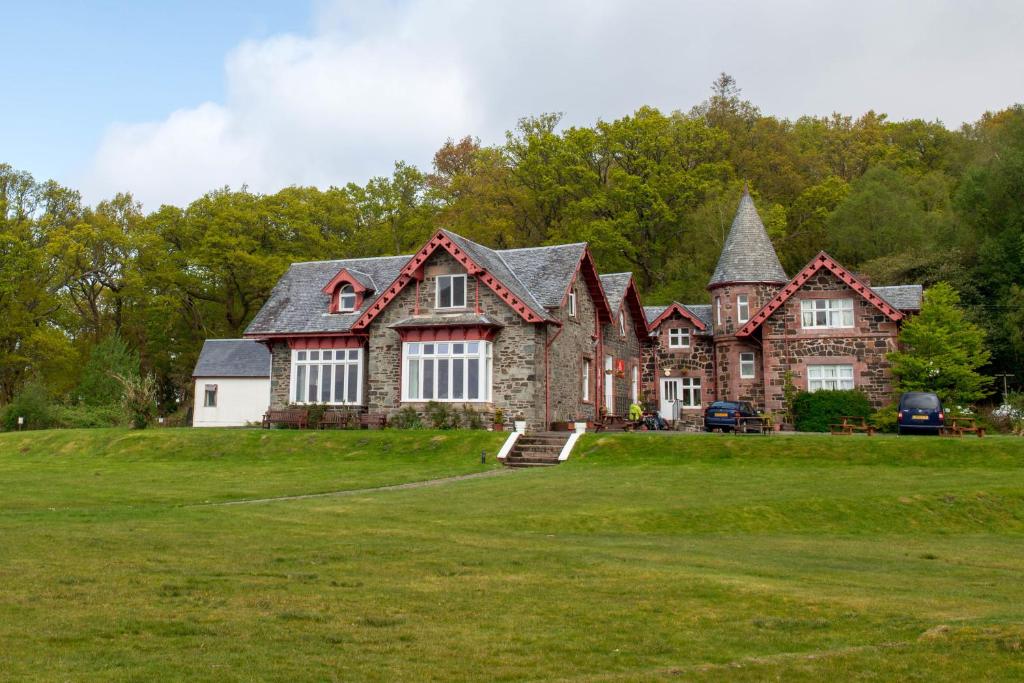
[(941, 351), (110, 357)]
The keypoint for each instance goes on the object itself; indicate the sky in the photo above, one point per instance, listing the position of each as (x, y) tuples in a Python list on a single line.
[(168, 100)]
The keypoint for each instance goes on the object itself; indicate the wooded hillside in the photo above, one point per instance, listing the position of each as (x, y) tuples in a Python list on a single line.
[(654, 192)]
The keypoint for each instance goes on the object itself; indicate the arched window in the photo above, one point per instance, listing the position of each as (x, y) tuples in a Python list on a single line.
[(346, 298)]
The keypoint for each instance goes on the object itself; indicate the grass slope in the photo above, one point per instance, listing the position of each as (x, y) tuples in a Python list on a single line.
[(643, 557)]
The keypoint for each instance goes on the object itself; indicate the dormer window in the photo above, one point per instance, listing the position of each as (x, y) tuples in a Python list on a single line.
[(346, 299)]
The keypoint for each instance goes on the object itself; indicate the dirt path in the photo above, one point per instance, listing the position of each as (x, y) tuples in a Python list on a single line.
[(355, 492)]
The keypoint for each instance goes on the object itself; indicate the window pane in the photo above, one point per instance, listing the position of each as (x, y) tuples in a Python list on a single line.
[(458, 291), (301, 355), (473, 378), (458, 377), (353, 382), (473, 347), (339, 383), (314, 355), (442, 349), (458, 349), (428, 378), (300, 384), (444, 291), (413, 390), (442, 378), (428, 349), (413, 349), (314, 383), (325, 388)]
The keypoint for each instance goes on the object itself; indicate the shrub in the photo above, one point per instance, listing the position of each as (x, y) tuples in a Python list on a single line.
[(1009, 416), (139, 398), (884, 419), (108, 358), (472, 419), (406, 418), (442, 416), (814, 412), (85, 417), (32, 403)]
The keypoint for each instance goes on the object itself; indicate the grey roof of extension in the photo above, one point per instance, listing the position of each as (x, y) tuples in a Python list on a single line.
[(539, 276), (614, 285), (700, 311), (748, 254), (232, 358), (902, 297)]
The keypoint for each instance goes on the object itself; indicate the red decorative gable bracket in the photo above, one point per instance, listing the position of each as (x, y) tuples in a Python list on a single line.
[(411, 270), (822, 260), (681, 310)]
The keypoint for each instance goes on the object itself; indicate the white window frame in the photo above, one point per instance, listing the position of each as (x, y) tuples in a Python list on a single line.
[(572, 304), (634, 386), (622, 324), (832, 377), (748, 358), (826, 314), (718, 310), (306, 361), (679, 338), (208, 391), (423, 354), (742, 308), (451, 284), (690, 393), (587, 369), (342, 294)]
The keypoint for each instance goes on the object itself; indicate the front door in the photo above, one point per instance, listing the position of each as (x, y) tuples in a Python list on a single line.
[(609, 387), (671, 390)]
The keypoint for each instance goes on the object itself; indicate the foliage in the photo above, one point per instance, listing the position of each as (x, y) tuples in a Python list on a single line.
[(406, 418), (442, 416), (1010, 413), (941, 351), (886, 418), (789, 394), (34, 404), (499, 416), (815, 411), (139, 398), (471, 419), (83, 416), (98, 386)]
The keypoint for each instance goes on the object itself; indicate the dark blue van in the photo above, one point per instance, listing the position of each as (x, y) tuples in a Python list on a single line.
[(920, 412), (723, 414)]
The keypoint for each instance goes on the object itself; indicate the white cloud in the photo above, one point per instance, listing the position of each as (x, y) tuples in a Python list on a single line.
[(376, 82)]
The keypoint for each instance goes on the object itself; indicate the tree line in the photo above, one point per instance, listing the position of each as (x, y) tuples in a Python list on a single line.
[(652, 192)]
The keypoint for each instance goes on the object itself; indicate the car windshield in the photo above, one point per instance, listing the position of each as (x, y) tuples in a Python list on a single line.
[(724, 405), (921, 401)]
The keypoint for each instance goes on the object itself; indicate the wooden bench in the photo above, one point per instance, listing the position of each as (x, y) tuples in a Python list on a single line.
[(852, 423), (756, 424), (373, 421), (958, 426), (288, 417), (338, 419)]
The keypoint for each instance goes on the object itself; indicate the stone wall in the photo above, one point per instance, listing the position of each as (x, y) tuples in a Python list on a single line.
[(696, 361), (280, 374), (573, 343), (627, 348), (788, 346), (757, 297)]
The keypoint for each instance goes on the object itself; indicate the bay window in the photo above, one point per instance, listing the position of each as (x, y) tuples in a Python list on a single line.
[(829, 377), (447, 371), (826, 313), (332, 376), (451, 291)]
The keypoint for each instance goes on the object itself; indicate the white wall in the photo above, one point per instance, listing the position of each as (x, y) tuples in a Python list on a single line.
[(239, 400)]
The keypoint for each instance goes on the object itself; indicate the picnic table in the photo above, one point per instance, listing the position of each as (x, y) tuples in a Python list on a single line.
[(288, 417), (848, 424), (958, 426), (755, 424)]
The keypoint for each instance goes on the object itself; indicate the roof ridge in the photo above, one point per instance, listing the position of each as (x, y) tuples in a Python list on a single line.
[(352, 258), (542, 246)]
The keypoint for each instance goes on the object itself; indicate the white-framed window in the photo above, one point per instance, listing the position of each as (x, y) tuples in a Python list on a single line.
[(572, 304), (210, 396), (679, 338), (690, 397), (446, 371), (622, 324), (586, 379), (718, 310), (747, 366), (826, 313), (332, 376), (451, 291), (346, 298), (742, 308), (634, 385), (830, 377)]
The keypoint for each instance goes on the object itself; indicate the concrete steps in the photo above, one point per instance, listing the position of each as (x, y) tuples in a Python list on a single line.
[(537, 450)]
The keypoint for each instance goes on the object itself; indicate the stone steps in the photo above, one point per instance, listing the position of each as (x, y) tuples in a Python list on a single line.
[(537, 450)]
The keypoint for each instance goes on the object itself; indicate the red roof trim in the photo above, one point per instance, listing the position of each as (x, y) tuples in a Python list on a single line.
[(822, 260), (344, 276), (636, 309), (676, 307), (408, 273), (592, 278)]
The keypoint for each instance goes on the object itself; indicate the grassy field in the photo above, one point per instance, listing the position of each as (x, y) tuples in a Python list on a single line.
[(692, 557)]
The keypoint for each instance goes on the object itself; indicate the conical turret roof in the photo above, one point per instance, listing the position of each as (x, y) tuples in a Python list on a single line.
[(748, 254)]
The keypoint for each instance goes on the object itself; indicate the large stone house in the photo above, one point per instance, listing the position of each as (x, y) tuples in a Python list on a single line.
[(540, 334)]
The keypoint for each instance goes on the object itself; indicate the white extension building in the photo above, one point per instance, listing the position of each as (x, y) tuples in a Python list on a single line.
[(232, 380)]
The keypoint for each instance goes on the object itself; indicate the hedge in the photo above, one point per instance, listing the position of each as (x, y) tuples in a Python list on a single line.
[(814, 412)]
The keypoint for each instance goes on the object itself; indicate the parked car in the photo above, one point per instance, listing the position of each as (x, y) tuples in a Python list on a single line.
[(722, 414), (920, 412)]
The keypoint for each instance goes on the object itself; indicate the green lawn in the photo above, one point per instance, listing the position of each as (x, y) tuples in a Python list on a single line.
[(692, 557)]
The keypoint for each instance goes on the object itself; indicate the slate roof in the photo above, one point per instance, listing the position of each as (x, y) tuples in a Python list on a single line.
[(539, 276), (902, 297), (748, 254), (614, 285), (700, 311), (297, 304), (232, 358), (454, 320)]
